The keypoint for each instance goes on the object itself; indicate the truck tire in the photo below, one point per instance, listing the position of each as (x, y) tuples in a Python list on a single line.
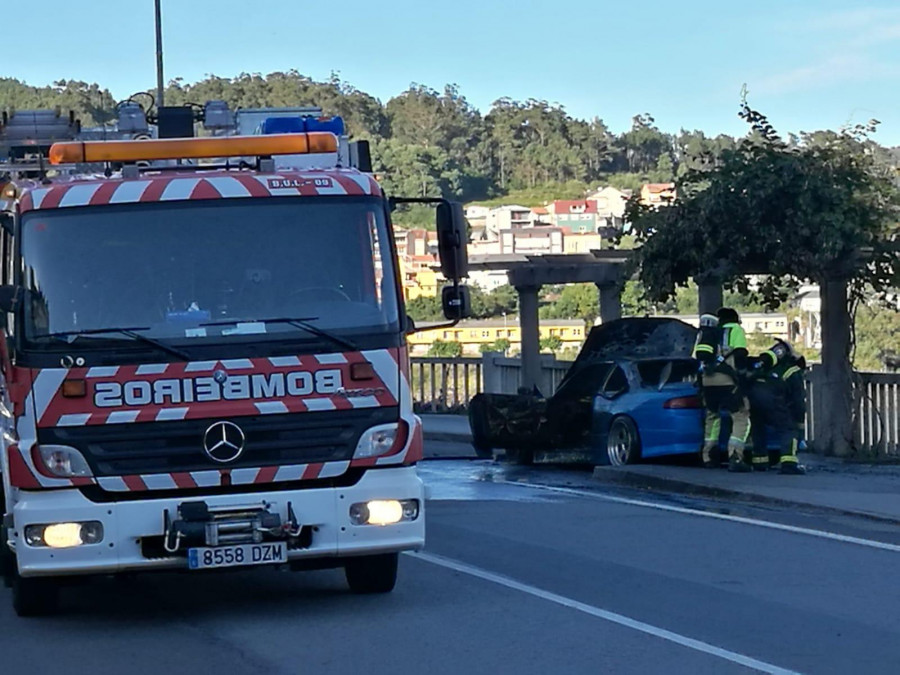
[(34, 597), (372, 573), (7, 559)]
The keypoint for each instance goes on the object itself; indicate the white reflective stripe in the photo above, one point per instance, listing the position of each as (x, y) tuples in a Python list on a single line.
[(112, 483), (102, 371), (290, 472), (179, 188), (315, 404), (327, 359), (364, 402), (332, 469), (37, 197), (271, 407), (46, 384), (243, 476), (171, 414), (237, 364), (159, 481), (207, 478), (196, 366), (130, 191), (228, 186), (362, 181), (387, 369), (151, 369), (73, 420), (79, 195), (334, 189), (122, 416), (283, 361)]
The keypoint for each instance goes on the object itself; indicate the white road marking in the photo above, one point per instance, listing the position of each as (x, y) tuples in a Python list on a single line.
[(606, 615), (870, 543)]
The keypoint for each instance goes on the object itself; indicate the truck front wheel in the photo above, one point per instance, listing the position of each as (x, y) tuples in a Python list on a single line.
[(372, 573), (7, 559), (34, 597)]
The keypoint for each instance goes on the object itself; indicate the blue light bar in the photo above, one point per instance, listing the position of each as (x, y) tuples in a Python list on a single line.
[(282, 125)]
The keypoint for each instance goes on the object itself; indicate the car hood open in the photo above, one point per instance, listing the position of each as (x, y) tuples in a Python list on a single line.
[(637, 338)]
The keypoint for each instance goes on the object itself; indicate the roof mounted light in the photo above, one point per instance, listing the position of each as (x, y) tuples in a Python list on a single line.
[(193, 148)]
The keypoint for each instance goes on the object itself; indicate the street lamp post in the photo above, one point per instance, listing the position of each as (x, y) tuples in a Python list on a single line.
[(159, 56)]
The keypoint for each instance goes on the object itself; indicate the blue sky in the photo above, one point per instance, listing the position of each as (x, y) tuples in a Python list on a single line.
[(808, 64)]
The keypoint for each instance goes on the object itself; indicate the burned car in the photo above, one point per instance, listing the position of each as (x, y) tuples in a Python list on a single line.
[(630, 393)]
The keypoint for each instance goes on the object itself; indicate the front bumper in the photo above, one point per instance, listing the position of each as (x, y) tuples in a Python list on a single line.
[(125, 524)]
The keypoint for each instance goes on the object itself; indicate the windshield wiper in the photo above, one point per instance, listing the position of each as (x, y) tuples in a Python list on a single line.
[(303, 323), (128, 332)]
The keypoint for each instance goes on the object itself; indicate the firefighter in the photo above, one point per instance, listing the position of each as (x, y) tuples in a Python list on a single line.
[(778, 402), (721, 348)]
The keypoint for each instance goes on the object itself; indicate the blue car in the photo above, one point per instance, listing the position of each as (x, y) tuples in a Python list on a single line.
[(630, 394)]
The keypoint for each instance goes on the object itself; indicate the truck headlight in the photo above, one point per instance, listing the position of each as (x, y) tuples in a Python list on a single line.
[(61, 461), (382, 440), (384, 511), (64, 535)]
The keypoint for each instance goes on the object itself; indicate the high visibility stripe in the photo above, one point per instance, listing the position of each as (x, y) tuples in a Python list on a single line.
[(760, 459), (704, 348), (793, 370), (789, 459)]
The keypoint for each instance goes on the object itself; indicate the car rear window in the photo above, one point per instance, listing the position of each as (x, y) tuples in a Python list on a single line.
[(651, 372)]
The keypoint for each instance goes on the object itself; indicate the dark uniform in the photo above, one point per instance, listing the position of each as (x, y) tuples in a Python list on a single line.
[(722, 352), (778, 402)]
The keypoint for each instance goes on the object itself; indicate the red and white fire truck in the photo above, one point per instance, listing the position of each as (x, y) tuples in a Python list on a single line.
[(204, 360)]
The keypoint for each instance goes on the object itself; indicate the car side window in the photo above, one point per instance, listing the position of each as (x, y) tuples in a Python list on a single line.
[(616, 383)]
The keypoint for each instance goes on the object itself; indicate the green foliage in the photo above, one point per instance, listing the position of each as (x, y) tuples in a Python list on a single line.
[(877, 334), (425, 308), (551, 343), (91, 104), (766, 207), (444, 349), (501, 345), (575, 301)]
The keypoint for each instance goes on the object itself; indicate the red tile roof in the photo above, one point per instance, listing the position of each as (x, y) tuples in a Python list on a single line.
[(561, 206)]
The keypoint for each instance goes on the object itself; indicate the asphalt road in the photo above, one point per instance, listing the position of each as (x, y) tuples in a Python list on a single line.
[(526, 571)]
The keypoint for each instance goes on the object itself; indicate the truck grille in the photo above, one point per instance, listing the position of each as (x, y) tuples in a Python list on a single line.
[(175, 446)]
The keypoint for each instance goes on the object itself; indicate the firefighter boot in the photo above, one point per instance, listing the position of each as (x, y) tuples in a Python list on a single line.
[(791, 467), (736, 461)]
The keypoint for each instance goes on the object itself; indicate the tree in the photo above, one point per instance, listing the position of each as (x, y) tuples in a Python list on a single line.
[(581, 301), (501, 345), (822, 211), (551, 343), (443, 349)]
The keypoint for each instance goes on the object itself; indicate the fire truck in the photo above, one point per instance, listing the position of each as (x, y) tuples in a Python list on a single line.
[(204, 361)]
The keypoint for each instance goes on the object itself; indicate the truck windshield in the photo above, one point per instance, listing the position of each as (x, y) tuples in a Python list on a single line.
[(209, 270)]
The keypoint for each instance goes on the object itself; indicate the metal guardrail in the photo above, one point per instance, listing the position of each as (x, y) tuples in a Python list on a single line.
[(445, 384), (876, 416)]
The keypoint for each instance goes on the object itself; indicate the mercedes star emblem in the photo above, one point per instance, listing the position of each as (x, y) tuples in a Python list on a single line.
[(220, 376), (224, 442)]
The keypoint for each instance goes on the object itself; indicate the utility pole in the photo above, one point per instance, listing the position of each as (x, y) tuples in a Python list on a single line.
[(159, 56)]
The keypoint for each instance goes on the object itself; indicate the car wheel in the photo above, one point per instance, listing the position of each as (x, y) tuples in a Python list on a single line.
[(372, 573), (34, 597), (623, 444)]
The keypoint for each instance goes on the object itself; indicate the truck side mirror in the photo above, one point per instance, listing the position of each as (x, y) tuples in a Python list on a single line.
[(456, 302), (451, 231), (9, 297)]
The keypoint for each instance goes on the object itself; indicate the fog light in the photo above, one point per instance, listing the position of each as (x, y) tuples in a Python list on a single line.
[(64, 535), (384, 511)]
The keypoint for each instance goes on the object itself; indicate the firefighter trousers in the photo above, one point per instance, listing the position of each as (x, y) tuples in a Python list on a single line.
[(740, 431)]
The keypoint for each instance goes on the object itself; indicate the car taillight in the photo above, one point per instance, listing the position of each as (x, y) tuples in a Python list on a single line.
[(683, 403)]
